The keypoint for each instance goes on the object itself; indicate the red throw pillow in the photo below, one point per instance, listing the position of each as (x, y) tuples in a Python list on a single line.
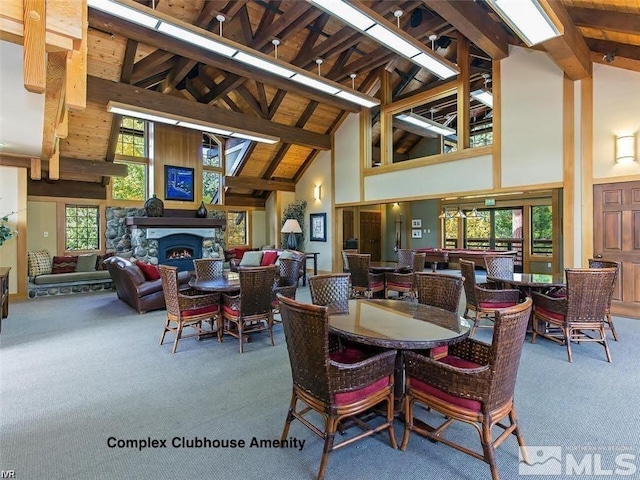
[(269, 257), (240, 252), (150, 272), (64, 264)]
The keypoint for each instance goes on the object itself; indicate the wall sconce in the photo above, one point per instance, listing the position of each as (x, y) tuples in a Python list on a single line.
[(317, 191), (625, 148)]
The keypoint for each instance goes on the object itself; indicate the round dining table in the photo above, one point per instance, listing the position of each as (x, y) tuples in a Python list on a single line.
[(228, 282)]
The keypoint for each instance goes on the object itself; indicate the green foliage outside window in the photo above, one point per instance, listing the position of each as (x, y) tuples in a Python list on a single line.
[(82, 227), (210, 187), (236, 228), (133, 186), (211, 170), (132, 138), (542, 230)]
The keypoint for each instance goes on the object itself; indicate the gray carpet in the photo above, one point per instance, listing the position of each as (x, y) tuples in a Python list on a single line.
[(77, 370)]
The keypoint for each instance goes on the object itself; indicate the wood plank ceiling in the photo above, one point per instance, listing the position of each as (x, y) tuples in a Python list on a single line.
[(118, 52)]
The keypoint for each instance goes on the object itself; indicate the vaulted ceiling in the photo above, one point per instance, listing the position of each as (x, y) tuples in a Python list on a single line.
[(126, 59)]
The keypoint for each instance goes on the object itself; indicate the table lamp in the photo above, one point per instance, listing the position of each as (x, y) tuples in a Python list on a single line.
[(291, 226)]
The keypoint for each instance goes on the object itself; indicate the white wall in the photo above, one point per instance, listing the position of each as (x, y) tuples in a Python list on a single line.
[(10, 202), (468, 174), (259, 228), (532, 135), (616, 111), (319, 173), (271, 222), (347, 160)]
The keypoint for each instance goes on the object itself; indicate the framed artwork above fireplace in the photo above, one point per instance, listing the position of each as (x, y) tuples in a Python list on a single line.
[(178, 183)]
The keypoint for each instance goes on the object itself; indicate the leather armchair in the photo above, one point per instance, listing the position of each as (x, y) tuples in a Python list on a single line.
[(134, 290)]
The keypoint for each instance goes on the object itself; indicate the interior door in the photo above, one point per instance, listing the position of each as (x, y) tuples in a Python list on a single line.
[(616, 230), (371, 234), (347, 226)]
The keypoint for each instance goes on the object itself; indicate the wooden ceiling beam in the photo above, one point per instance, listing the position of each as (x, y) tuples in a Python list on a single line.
[(275, 103), (617, 49), (569, 50), (297, 17), (151, 64), (103, 91), (610, 21), (68, 165), (470, 19), (118, 26), (34, 52), (53, 107), (76, 88), (259, 184), (248, 97), (232, 200), (262, 98)]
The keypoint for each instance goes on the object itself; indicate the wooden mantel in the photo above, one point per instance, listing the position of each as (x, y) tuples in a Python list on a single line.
[(174, 222)]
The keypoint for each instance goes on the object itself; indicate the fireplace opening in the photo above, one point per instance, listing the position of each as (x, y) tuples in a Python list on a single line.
[(179, 252)]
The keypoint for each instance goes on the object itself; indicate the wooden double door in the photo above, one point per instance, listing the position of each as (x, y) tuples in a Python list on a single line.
[(616, 230)]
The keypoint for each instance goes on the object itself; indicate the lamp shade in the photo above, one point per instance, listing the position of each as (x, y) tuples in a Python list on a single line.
[(291, 226), (625, 148)]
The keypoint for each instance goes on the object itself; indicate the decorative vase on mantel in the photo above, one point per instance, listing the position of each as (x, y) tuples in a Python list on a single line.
[(154, 207), (202, 212)]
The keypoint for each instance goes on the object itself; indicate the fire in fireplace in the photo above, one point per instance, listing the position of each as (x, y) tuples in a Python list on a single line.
[(179, 250), (179, 253)]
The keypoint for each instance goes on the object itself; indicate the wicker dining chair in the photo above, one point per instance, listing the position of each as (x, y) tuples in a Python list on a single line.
[(333, 389), (331, 290), (405, 282), (251, 310), (484, 298), (474, 384), (186, 308), (363, 282), (599, 263), (345, 261), (500, 267), (442, 291), (208, 268), (286, 282), (565, 320), (405, 257)]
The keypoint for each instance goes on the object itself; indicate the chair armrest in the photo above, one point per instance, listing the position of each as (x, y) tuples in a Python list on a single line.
[(471, 383), (552, 304), (472, 350), (289, 292), (191, 299), (346, 377), (395, 277)]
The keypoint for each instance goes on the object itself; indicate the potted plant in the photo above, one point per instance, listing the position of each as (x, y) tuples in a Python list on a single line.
[(5, 232)]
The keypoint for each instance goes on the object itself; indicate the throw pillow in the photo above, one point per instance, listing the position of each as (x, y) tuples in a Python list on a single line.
[(64, 264), (251, 259), (87, 262), (39, 263), (100, 260), (150, 272), (269, 257), (287, 254)]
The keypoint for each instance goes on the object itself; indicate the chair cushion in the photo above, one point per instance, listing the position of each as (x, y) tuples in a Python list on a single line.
[(459, 362), (547, 313), (64, 264), (149, 271), (419, 385), (201, 311), (439, 352), (376, 285), (495, 305), (269, 257), (356, 395), (392, 285), (230, 310), (348, 355), (251, 259)]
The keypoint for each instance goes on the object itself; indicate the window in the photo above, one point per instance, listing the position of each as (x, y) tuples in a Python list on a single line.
[(541, 230), (132, 140), (451, 233), (82, 227), (134, 185), (236, 228), (132, 151), (212, 170)]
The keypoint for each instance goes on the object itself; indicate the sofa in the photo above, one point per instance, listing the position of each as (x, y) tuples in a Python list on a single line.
[(256, 258), (135, 289), (61, 275)]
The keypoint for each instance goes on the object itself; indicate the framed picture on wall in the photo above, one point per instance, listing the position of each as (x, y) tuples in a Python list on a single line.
[(318, 227), (416, 223), (178, 183), (416, 233)]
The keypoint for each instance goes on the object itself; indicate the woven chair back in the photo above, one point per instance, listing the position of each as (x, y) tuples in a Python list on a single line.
[(256, 284), (307, 335), (345, 261), (331, 289), (288, 272), (405, 258), (418, 262), (208, 268), (468, 272), (169, 278), (499, 267), (598, 263), (504, 355), (359, 268), (439, 290), (589, 292)]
